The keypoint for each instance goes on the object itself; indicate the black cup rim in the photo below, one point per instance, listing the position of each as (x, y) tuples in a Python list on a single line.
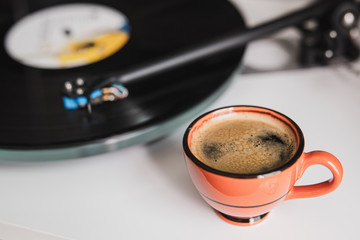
[(273, 113)]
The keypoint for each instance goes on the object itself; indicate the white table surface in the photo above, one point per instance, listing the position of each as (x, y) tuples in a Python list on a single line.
[(144, 192)]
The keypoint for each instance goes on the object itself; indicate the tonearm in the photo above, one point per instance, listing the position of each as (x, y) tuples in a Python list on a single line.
[(329, 37)]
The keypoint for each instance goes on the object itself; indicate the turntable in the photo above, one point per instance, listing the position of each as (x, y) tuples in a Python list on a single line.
[(84, 78), (130, 96)]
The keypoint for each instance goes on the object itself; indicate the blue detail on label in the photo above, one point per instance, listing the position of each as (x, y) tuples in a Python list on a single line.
[(125, 28)]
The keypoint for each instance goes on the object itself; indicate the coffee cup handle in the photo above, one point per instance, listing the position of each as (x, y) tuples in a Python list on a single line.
[(313, 158)]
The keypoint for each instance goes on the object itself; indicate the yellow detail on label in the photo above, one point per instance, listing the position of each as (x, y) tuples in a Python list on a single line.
[(95, 50)]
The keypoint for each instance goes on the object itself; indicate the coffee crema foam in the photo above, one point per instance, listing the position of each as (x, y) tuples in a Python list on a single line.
[(244, 143)]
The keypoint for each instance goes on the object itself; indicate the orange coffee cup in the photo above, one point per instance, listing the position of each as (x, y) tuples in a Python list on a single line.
[(246, 199)]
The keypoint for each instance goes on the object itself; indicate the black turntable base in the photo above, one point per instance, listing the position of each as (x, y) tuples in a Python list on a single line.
[(36, 124)]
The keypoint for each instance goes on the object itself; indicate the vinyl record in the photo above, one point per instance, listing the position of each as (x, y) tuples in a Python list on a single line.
[(34, 70)]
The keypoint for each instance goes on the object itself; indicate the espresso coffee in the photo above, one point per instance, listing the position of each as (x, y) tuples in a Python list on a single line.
[(244, 143)]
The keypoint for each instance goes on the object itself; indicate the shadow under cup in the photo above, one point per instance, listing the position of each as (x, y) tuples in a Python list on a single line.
[(246, 199)]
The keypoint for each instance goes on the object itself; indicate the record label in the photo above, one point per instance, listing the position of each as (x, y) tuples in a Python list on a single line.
[(67, 36)]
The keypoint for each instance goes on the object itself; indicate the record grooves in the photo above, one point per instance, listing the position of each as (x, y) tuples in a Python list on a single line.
[(33, 114)]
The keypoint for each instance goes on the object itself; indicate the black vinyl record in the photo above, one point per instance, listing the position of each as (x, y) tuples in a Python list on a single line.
[(33, 115)]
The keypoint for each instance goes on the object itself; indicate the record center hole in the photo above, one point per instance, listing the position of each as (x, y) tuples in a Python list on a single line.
[(67, 32)]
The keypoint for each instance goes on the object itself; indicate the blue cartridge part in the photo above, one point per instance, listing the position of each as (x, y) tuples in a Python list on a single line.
[(70, 103), (81, 101), (95, 94)]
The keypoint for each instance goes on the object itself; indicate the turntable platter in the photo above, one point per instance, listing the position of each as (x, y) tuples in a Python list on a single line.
[(34, 120)]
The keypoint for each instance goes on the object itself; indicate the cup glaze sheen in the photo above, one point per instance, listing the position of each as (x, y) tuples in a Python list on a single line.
[(245, 199)]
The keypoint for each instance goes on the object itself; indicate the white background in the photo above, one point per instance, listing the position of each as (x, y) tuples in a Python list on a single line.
[(144, 192)]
